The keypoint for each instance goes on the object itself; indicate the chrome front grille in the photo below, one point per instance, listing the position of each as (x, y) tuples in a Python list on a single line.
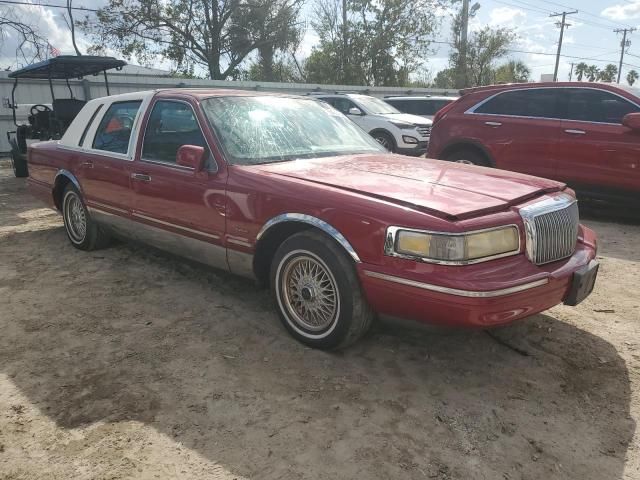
[(424, 130), (551, 228)]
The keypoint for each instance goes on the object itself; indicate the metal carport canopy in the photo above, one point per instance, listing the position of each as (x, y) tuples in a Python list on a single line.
[(68, 66)]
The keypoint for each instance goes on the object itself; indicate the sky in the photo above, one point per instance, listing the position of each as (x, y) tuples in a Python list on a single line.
[(590, 37)]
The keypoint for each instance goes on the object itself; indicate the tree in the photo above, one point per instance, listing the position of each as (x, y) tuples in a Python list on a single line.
[(514, 71), (31, 45), (632, 76), (592, 73), (482, 49), (382, 43), (581, 70), (609, 73), (445, 78), (213, 35)]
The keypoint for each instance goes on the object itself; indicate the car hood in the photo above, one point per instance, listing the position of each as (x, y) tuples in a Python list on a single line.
[(406, 117), (444, 189)]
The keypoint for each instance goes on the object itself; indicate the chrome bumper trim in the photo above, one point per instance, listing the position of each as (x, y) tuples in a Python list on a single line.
[(455, 291)]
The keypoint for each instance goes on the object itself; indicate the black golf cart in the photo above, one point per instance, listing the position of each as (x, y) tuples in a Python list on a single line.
[(46, 122)]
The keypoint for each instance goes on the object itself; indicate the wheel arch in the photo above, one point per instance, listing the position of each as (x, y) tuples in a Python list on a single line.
[(62, 179), (466, 144), (283, 226)]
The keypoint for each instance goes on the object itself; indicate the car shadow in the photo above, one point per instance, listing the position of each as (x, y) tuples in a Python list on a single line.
[(127, 334)]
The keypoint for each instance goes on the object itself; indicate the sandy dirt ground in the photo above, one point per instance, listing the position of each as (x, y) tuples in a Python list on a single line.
[(128, 363)]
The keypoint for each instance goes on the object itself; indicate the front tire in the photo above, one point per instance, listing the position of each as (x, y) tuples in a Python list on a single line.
[(317, 292), (386, 140), (82, 231)]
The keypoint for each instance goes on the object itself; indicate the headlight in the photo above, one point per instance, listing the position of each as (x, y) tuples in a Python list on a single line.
[(403, 125), (453, 248)]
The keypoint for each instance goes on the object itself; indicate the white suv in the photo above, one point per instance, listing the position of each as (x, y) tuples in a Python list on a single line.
[(398, 132), (422, 106)]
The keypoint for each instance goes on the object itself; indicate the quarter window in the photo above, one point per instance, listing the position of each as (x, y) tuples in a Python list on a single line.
[(86, 129), (170, 126), (590, 105), (114, 131), (539, 103)]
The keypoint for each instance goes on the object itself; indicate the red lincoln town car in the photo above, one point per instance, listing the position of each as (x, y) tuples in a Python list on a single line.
[(288, 191)]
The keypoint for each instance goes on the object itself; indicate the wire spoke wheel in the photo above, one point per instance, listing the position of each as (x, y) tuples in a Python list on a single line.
[(76, 218), (310, 293)]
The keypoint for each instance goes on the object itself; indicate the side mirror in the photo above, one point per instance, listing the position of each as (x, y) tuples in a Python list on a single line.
[(191, 156), (355, 111), (632, 121)]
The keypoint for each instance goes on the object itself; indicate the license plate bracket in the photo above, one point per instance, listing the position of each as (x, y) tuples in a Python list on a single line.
[(582, 283)]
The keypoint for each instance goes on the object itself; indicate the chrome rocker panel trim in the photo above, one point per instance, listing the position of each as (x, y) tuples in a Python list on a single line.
[(455, 291), (314, 221)]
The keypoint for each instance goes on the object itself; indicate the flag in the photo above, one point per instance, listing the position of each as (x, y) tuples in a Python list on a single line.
[(53, 51)]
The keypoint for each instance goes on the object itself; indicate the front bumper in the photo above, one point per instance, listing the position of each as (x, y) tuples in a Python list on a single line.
[(413, 150), (427, 301)]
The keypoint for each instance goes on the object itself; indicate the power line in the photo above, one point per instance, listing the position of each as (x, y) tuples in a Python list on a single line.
[(48, 5)]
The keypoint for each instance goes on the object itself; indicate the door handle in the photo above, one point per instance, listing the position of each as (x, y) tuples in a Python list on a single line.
[(572, 131), (493, 124), (87, 164), (143, 177)]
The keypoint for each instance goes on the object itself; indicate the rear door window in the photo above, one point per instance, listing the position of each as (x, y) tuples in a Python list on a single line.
[(171, 125), (114, 132), (591, 105), (537, 103)]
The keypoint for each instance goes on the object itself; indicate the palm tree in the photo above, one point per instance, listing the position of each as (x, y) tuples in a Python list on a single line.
[(514, 71), (632, 76), (608, 74), (592, 73), (581, 70)]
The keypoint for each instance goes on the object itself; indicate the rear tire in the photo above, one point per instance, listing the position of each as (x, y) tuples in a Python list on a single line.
[(317, 292), (19, 164), (468, 157), (82, 231)]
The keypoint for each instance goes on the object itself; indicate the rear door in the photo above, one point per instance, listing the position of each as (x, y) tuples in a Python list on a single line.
[(104, 163), (172, 197), (595, 151), (518, 128)]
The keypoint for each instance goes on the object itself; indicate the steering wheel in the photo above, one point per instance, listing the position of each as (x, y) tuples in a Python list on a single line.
[(38, 107)]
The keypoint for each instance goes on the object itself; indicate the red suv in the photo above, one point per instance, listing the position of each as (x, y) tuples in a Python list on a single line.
[(584, 134)]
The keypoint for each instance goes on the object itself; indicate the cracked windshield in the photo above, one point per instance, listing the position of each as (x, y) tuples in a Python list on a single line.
[(255, 130)]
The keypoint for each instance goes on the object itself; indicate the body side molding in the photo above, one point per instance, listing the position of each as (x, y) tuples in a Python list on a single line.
[(314, 221)]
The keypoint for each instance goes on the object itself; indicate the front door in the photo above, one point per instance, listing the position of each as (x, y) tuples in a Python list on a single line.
[(596, 152), (183, 210)]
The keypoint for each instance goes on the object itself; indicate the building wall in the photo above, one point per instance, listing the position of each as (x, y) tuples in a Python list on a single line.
[(37, 91)]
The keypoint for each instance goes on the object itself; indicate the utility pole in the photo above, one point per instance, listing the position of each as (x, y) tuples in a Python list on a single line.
[(625, 43), (461, 74), (345, 42), (571, 71), (562, 26)]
